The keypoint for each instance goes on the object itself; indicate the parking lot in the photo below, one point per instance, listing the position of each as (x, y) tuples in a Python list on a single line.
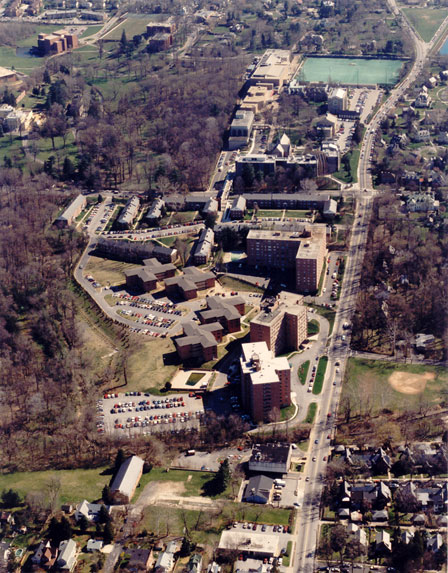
[(138, 413), (283, 531)]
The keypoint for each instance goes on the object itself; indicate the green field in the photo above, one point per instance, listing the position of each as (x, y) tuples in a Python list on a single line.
[(313, 327), (352, 71), (134, 24), (296, 214), (352, 175), (426, 21), (366, 382), (25, 63), (90, 31), (273, 213), (303, 371), (311, 413), (236, 284), (205, 526), (106, 271), (146, 369), (75, 485), (320, 375), (194, 378), (11, 147)]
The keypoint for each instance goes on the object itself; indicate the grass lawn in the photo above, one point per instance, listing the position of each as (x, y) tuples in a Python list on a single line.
[(313, 327), (167, 241), (303, 371), (297, 214), (90, 31), (11, 147), (46, 148), (368, 381), (349, 176), (134, 24), (320, 375), (426, 20), (107, 271), (287, 555), (183, 217), (194, 482), (311, 413), (327, 313), (146, 369), (236, 284), (287, 413), (205, 526), (194, 378), (75, 485), (274, 213)]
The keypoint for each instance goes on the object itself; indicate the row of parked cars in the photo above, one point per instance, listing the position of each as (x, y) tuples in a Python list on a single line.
[(155, 305)]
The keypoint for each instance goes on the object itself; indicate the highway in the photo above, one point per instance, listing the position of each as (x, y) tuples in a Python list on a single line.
[(307, 531)]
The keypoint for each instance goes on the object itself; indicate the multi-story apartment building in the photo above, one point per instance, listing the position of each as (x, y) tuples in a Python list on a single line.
[(281, 326), (265, 381), (303, 251)]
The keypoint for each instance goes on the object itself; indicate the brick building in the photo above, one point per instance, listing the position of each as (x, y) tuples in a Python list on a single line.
[(265, 381), (281, 326), (303, 252), (225, 311), (188, 284), (145, 278), (199, 343), (56, 42)]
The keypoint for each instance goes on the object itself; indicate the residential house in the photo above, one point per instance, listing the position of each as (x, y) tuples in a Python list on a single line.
[(129, 213), (434, 543), (383, 544), (204, 247), (155, 212), (380, 462), (195, 563), (68, 554), (165, 560), (258, 489), (423, 100), (94, 545), (140, 560), (361, 537), (90, 511), (380, 516), (45, 555), (407, 536), (419, 519), (213, 567)]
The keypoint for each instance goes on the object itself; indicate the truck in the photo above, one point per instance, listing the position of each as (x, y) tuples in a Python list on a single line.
[(280, 482), (346, 325), (190, 452)]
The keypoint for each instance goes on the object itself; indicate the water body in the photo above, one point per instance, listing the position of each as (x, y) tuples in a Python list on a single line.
[(444, 48), (351, 71)]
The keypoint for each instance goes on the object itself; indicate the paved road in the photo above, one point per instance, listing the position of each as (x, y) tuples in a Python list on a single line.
[(308, 520)]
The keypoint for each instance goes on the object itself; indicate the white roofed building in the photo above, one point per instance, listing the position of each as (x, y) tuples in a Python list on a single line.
[(126, 480)]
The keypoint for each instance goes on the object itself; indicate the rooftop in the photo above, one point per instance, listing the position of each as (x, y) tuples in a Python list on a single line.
[(249, 541), (259, 362), (270, 453), (128, 475)]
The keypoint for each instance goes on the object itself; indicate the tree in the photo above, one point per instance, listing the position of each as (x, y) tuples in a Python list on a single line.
[(68, 169), (108, 535), (46, 77), (106, 495), (83, 523), (123, 42), (187, 547), (119, 459), (59, 531), (338, 539), (223, 476), (103, 516), (10, 498)]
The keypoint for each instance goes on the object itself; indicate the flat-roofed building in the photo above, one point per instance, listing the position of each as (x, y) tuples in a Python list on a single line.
[(300, 201), (265, 381), (129, 213), (280, 325), (270, 458), (256, 98), (303, 251), (56, 42), (127, 479), (153, 28), (269, 163), (241, 129), (250, 542), (327, 125), (337, 100), (72, 211), (273, 69), (204, 247)]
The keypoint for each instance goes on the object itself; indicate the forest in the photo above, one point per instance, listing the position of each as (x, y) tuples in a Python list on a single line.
[(403, 283)]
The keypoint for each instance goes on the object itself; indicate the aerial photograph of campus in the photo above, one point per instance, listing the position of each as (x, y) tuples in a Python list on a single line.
[(224, 285)]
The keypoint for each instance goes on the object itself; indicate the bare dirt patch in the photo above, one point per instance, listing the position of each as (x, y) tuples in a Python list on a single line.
[(408, 383)]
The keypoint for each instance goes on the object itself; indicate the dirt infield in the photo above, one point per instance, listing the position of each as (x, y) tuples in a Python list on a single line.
[(408, 383)]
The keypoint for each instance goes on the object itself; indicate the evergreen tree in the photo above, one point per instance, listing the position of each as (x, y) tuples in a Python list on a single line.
[(68, 169), (119, 459), (223, 476), (83, 524), (47, 78), (106, 496), (123, 41), (10, 498), (108, 535), (103, 516)]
